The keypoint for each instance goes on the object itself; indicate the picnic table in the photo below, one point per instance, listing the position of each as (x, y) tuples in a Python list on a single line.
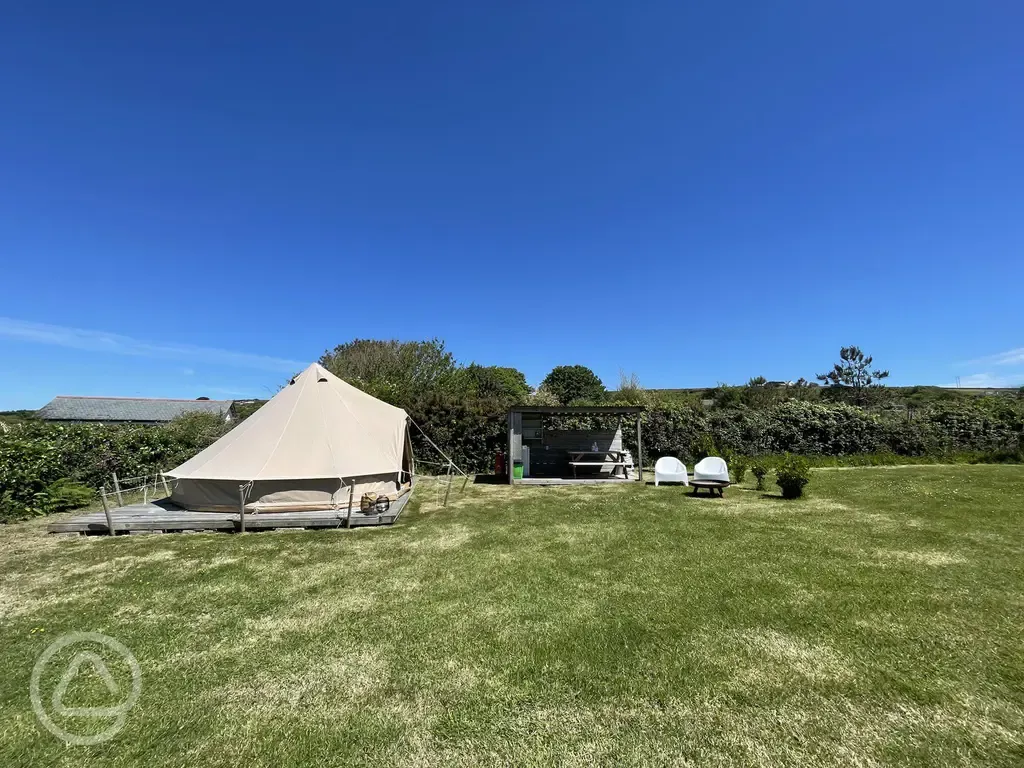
[(583, 459)]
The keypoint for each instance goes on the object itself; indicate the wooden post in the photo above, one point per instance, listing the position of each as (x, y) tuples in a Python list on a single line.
[(117, 490), (351, 495), (639, 448), (241, 508), (448, 489), (106, 511), (145, 489), (167, 490), (508, 456)]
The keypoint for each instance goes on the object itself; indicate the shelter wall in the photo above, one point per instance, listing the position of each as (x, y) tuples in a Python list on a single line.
[(549, 454)]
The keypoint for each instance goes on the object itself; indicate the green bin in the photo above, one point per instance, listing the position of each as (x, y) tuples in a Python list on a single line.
[(517, 470)]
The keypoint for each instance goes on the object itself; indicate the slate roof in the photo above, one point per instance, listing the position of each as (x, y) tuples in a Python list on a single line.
[(126, 409)]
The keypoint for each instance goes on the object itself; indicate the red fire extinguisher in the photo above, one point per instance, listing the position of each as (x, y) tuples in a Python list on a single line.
[(499, 463)]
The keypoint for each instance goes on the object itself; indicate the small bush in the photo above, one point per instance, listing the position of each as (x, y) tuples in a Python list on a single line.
[(739, 468), (65, 494), (760, 471), (791, 475), (1002, 456)]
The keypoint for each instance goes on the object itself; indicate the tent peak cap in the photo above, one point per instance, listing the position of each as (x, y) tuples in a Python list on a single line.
[(315, 369)]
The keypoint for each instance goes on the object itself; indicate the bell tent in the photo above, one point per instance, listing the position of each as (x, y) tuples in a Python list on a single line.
[(319, 443)]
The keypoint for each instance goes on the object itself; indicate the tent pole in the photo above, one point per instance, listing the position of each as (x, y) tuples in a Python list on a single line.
[(432, 443), (412, 456), (351, 495)]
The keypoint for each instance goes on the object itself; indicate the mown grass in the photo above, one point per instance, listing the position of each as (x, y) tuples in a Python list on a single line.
[(877, 622)]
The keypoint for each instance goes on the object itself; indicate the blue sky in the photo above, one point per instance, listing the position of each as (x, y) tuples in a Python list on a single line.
[(197, 198)]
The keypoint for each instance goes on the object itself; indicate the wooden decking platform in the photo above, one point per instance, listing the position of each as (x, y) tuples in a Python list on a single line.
[(164, 517), (572, 480)]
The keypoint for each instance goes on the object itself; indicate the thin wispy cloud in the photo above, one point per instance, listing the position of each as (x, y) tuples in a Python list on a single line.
[(117, 344), (989, 380), (228, 391), (1010, 357)]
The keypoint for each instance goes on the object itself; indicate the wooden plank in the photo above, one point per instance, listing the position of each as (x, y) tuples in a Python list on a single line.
[(142, 525), (571, 480), (398, 505), (269, 522)]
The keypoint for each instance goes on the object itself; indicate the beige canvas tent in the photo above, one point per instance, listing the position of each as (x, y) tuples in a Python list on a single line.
[(319, 443)]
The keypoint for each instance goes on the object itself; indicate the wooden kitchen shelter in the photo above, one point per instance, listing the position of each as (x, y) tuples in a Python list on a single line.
[(543, 450)]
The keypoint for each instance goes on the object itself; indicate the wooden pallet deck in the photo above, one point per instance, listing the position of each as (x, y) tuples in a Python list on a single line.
[(572, 480), (164, 517)]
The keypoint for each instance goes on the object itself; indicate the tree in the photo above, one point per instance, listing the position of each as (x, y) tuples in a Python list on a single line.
[(854, 371), (494, 382), (570, 383), (395, 371)]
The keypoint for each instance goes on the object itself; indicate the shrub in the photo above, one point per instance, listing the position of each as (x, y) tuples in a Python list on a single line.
[(760, 470), (65, 494), (469, 431), (44, 467), (704, 446), (739, 468), (791, 475), (669, 430), (813, 428), (1001, 456)]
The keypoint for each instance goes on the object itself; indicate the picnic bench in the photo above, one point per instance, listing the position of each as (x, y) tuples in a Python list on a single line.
[(587, 459)]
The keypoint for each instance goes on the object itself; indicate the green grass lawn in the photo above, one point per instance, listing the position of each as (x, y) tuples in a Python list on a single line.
[(877, 622)]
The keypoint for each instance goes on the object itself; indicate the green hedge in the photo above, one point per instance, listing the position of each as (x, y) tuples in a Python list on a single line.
[(35, 455), (470, 432), (821, 429)]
